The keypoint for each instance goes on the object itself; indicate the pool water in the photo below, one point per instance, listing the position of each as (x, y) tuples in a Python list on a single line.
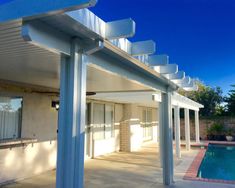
[(218, 163)]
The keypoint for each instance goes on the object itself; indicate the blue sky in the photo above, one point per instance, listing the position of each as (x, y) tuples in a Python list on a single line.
[(198, 35)]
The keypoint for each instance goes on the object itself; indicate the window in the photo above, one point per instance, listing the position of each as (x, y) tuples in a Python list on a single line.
[(10, 117), (103, 125), (147, 123), (98, 121), (109, 125)]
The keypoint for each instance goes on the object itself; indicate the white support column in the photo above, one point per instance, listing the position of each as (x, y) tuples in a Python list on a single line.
[(160, 142), (70, 157), (177, 131), (166, 139), (197, 130), (187, 129)]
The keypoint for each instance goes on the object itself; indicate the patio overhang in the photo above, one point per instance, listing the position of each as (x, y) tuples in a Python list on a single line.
[(184, 102), (147, 98), (78, 52), (142, 98), (58, 55)]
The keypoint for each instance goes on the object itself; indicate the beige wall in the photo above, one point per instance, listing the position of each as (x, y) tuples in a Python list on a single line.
[(39, 119), (22, 162)]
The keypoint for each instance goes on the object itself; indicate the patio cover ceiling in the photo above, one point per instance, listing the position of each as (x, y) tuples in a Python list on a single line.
[(24, 62)]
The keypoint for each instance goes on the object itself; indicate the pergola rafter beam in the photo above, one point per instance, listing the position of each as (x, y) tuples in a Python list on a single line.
[(120, 29), (176, 76), (143, 48), (166, 69), (40, 34), (185, 80), (185, 85), (155, 60), (106, 30)]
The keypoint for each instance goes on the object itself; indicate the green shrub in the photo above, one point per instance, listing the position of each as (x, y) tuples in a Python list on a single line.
[(216, 129)]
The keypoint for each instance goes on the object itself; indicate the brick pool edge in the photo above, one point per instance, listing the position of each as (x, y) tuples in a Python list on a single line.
[(192, 171)]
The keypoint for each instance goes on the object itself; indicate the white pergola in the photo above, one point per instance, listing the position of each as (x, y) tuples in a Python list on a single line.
[(178, 102), (76, 52)]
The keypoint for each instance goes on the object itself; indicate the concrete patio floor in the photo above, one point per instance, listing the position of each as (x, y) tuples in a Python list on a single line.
[(125, 170)]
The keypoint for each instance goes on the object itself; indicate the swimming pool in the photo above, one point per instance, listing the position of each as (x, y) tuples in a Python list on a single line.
[(218, 163)]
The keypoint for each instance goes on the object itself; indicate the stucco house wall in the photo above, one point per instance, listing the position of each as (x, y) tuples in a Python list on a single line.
[(39, 121)]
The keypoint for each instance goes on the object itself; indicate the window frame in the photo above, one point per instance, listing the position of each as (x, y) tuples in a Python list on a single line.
[(93, 103), (147, 126), (20, 117)]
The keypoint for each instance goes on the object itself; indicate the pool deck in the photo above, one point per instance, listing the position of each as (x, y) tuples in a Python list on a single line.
[(139, 169)]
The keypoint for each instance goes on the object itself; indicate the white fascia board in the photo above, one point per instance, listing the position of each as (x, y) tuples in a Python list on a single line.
[(155, 60), (120, 29), (18, 9), (143, 48), (166, 69)]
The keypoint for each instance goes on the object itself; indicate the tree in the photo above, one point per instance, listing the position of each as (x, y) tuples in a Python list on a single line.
[(231, 101), (211, 98)]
